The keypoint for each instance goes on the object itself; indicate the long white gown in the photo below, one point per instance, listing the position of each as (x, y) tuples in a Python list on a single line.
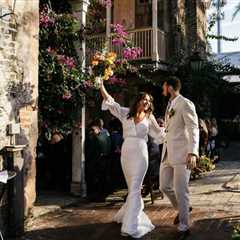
[(134, 161)]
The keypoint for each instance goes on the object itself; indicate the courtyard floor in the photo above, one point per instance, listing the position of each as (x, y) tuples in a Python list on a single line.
[(215, 198)]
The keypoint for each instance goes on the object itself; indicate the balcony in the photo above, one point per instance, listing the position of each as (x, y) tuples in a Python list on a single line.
[(142, 38)]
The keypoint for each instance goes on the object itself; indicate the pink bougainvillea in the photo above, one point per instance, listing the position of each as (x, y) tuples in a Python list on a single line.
[(132, 53), (119, 30), (120, 37), (67, 61), (118, 41), (107, 3), (46, 20), (117, 81)]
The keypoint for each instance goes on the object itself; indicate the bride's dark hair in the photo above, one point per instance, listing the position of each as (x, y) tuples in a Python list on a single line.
[(134, 107)]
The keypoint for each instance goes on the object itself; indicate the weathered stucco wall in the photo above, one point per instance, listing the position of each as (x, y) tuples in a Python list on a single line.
[(19, 64), (124, 13)]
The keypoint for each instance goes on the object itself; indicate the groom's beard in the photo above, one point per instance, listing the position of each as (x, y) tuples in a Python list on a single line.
[(167, 97)]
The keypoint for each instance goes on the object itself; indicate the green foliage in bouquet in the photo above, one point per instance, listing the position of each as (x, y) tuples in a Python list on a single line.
[(236, 232), (204, 164)]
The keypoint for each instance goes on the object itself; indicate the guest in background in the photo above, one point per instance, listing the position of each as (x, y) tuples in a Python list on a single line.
[(203, 141), (116, 135), (214, 127), (212, 136), (214, 140), (59, 163), (98, 147), (160, 122), (155, 151), (100, 123), (115, 128)]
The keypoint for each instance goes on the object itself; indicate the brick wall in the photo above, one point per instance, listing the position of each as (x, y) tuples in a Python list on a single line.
[(19, 81)]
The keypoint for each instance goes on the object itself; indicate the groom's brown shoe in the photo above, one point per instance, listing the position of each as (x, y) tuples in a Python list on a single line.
[(176, 219)]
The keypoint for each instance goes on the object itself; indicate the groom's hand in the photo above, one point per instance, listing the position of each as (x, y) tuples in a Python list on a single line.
[(191, 161)]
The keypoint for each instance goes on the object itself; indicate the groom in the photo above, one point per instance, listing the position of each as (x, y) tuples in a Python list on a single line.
[(180, 152)]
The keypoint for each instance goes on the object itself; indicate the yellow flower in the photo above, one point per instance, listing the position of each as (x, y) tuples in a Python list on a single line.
[(110, 71), (105, 77), (107, 73), (111, 57)]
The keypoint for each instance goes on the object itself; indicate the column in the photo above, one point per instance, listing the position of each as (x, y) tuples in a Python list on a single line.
[(155, 55), (78, 185), (108, 25)]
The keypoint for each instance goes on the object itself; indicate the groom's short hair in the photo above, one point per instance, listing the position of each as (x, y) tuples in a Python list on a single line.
[(174, 82)]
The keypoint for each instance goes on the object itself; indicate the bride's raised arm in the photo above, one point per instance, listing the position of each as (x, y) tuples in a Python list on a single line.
[(104, 92), (110, 104)]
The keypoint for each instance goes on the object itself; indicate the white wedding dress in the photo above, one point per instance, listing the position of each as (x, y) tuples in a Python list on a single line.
[(134, 161)]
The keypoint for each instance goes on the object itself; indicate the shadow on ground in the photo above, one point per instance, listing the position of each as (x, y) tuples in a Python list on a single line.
[(203, 229)]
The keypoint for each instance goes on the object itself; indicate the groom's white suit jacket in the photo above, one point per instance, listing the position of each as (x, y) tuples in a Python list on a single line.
[(182, 131)]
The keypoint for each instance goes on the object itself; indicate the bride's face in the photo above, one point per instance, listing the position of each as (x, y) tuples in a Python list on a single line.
[(145, 103)]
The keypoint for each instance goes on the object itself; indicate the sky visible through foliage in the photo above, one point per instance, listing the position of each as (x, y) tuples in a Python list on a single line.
[(230, 28)]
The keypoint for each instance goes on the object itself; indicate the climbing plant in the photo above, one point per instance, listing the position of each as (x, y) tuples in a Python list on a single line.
[(61, 81)]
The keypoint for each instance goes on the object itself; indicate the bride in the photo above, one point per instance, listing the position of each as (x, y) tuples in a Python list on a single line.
[(138, 122)]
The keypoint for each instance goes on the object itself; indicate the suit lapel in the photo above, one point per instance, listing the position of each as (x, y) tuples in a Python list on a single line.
[(174, 107)]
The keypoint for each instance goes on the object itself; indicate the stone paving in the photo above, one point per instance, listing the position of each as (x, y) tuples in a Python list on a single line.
[(216, 207)]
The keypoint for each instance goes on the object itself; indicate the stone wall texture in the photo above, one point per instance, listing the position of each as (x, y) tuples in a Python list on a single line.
[(19, 81)]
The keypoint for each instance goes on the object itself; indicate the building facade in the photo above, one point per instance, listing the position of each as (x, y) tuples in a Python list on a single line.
[(19, 25), (162, 28)]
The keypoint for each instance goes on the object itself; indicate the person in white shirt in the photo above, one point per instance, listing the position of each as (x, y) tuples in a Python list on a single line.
[(180, 152)]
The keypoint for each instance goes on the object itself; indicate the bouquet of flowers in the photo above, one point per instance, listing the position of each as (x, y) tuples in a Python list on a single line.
[(102, 67)]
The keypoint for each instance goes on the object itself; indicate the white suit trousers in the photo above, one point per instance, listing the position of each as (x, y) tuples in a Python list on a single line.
[(174, 180)]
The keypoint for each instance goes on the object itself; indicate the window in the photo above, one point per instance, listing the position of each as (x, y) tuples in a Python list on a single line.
[(143, 13)]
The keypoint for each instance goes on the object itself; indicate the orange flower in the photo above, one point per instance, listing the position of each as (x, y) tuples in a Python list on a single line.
[(98, 56), (95, 62), (112, 55)]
